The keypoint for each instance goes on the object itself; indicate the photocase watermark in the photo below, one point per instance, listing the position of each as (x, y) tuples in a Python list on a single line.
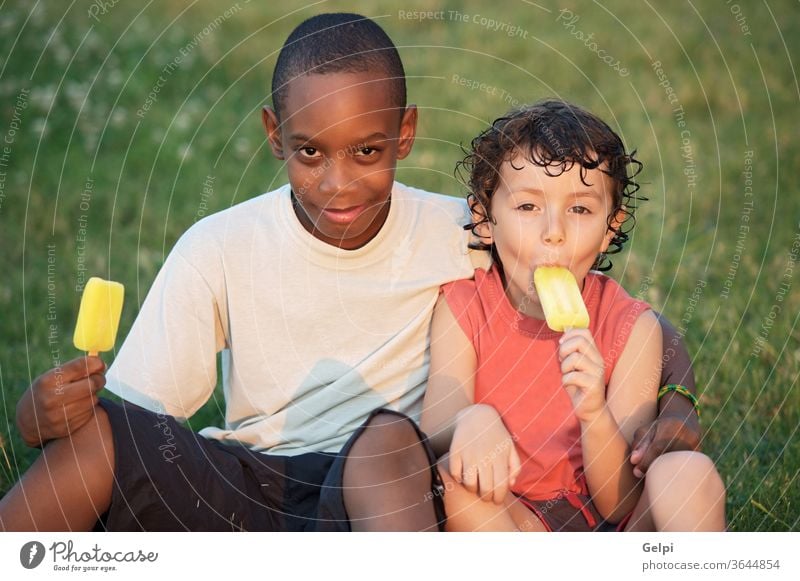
[(492, 90), (20, 105), (53, 335), (691, 306), (100, 8), (65, 557), (568, 20), (644, 287), (744, 225), (168, 448), (206, 194), (686, 148), (622, 335), (169, 69), (784, 287), (741, 20), (80, 235), (509, 29), (32, 554)]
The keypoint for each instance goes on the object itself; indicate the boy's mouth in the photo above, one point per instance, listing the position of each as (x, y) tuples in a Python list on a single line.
[(343, 215)]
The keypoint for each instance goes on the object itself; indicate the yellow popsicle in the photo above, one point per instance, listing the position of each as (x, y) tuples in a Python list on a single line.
[(560, 298), (98, 318)]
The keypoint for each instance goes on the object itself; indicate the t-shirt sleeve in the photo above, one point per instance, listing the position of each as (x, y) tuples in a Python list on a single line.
[(167, 363)]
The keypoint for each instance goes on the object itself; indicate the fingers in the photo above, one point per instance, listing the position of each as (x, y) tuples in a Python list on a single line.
[(469, 478), (579, 379), (579, 362), (647, 450), (77, 391), (486, 482), (456, 466), (74, 370), (642, 439), (578, 353), (501, 476), (579, 341)]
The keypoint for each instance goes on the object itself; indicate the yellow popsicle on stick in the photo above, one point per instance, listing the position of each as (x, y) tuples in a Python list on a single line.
[(98, 317), (560, 298)]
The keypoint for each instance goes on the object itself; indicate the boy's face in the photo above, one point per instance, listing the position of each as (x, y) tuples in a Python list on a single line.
[(548, 220), (341, 139)]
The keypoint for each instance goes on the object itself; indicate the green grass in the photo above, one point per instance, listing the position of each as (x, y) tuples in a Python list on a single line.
[(738, 94)]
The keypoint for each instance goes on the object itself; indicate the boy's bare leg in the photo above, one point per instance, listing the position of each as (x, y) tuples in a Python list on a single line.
[(69, 486), (466, 511), (387, 479), (682, 492)]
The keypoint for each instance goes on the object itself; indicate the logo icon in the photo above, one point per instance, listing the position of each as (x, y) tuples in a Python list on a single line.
[(31, 554)]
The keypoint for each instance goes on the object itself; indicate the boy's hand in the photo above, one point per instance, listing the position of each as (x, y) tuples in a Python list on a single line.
[(60, 401), (665, 434), (482, 454), (583, 373)]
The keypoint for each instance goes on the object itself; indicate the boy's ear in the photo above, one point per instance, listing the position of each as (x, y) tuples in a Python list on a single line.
[(480, 216), (273, 128), (408, 131), (616, 222)]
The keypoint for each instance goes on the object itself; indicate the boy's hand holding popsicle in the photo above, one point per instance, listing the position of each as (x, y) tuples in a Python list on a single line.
[(63, 399), (582, 365)]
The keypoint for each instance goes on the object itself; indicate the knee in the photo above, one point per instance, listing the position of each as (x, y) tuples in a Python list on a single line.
[(387, 433), (693, 474)]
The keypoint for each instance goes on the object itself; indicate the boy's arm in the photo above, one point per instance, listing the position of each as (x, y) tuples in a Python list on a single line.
[(678, 425), (168, 362), (451, 383), (631, 403)]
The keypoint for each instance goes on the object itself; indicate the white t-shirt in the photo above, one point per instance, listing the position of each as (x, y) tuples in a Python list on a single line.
[(313, 337)]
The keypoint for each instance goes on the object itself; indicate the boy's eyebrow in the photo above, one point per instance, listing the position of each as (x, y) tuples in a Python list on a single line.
[(373, 136), (578, 194)]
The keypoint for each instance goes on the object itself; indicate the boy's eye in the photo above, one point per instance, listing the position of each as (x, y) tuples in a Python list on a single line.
[(309, 152), (367, 151), (580, 210), (527, 207)]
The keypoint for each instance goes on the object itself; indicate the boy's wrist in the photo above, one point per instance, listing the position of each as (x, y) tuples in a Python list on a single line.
[(600, 416)]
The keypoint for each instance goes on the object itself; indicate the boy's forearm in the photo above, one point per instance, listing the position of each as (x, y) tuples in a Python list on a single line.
[(676, 405), (609, 474)]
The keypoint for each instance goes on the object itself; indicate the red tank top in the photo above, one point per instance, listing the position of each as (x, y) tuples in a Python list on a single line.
[(519, 374)]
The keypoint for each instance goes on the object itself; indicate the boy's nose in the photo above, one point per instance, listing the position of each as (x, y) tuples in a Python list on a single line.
[(335, 178), (554, 230)]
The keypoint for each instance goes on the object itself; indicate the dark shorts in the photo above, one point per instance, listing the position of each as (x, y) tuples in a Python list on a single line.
[(168, 478), (571, 512)]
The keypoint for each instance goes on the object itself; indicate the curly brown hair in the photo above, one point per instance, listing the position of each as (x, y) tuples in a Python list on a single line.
[(554, 135)]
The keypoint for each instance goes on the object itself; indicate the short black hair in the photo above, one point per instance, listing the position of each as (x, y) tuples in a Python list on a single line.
[(338, 42), (555, 135)]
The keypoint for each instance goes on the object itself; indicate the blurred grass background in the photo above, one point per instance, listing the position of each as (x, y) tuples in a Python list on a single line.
[(721, 263)]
